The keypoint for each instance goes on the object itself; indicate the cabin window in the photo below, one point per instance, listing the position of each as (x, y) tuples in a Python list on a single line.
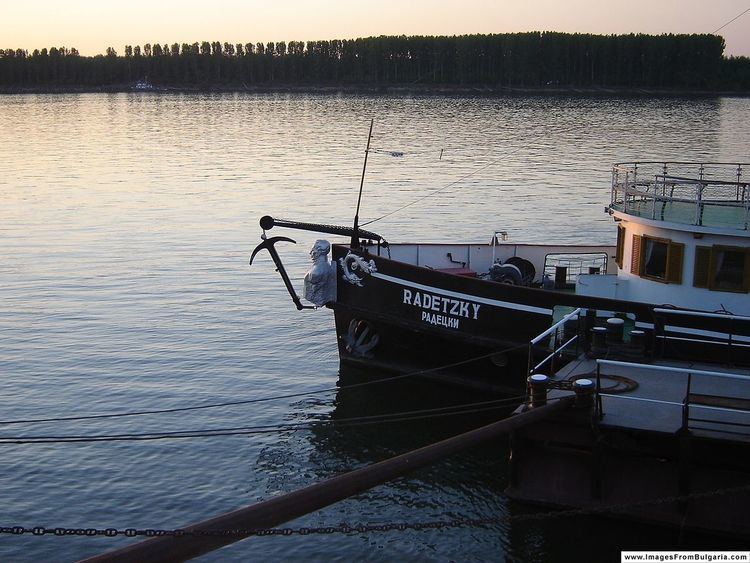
[(722, 268), (620, 245), (657, 259)]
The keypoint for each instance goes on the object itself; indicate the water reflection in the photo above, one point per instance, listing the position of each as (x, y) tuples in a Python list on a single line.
[(126, 225)]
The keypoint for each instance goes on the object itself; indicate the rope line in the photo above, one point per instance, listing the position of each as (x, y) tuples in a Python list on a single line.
[(252, 430), (438, 190), (261, 399), (730, 21), (268, 429)]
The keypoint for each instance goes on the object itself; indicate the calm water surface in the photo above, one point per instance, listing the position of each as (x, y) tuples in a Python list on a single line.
[(125, 228)]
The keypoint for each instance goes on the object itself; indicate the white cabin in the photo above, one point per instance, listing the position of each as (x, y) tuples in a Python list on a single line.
[(682, 237)]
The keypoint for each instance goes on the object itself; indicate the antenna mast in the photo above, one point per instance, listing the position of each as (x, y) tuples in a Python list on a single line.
[(355, 234)]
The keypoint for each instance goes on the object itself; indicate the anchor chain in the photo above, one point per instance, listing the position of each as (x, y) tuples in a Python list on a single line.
[(345, 528)]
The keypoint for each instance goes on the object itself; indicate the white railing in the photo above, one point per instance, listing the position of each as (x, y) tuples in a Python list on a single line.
[(557, 345), (711, 194), (738, 406)]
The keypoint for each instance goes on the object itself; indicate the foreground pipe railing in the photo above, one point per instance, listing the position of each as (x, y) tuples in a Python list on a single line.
[(283, 508)]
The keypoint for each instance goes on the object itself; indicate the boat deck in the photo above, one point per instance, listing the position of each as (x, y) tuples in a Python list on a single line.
[(713, 195), (719, 406)]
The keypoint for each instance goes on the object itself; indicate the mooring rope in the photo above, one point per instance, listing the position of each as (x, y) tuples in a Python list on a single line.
[(263, 399), (403, 416)]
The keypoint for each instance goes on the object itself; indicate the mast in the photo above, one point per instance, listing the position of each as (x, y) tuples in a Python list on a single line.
[(355, 233)]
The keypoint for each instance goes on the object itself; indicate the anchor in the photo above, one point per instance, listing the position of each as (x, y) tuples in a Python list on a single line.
[(268, 244)]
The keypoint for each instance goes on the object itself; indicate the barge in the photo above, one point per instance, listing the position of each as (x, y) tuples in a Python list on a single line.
[(655, 437)]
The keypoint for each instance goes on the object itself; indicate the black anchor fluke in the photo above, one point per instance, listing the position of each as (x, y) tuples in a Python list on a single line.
[(268, 244)]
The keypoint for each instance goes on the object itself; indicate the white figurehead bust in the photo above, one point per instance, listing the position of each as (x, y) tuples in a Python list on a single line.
[(320, 281)]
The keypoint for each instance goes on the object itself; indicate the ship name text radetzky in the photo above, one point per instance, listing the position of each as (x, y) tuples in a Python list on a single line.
[(439, 310)]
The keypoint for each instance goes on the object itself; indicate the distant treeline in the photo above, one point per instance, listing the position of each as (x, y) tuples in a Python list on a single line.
[(515, 60)]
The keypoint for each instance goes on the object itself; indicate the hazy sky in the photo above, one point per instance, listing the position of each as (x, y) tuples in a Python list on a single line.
[(93, 25)]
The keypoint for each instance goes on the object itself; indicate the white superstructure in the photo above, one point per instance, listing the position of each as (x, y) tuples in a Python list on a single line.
[(683, 236)]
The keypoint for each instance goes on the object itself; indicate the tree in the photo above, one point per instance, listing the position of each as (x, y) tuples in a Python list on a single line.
[(536, 60)]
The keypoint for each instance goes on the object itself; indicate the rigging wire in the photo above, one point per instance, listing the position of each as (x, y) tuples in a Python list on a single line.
[(269, 429), (730, 21), (260, 399), (438, 190)]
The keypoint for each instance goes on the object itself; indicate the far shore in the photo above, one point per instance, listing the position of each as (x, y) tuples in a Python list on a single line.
[(397, 89)]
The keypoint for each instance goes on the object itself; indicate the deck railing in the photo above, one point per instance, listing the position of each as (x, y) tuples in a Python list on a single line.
[(688, 334), (711, 194), (737, 407), (557, 334)]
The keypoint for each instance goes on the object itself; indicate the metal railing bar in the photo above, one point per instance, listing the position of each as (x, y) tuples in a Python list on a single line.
[(555, 326), (674, 369), (712, 408), (719, 430), (724, 422), (709, 181), (738, 203), (700, 314), (625, 165), (554, 352), (701, 341), (643, 399)]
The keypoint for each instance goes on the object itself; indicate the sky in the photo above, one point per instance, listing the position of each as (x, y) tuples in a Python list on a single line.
[(93, 25)]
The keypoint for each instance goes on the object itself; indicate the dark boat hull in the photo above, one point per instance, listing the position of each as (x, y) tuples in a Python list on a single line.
[(394, 316), (405, 318)]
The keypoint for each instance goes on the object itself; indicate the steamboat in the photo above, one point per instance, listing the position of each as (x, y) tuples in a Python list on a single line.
[(464, 313)]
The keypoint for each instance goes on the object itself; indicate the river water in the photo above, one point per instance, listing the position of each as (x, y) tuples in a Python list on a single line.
[(125, 228)]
